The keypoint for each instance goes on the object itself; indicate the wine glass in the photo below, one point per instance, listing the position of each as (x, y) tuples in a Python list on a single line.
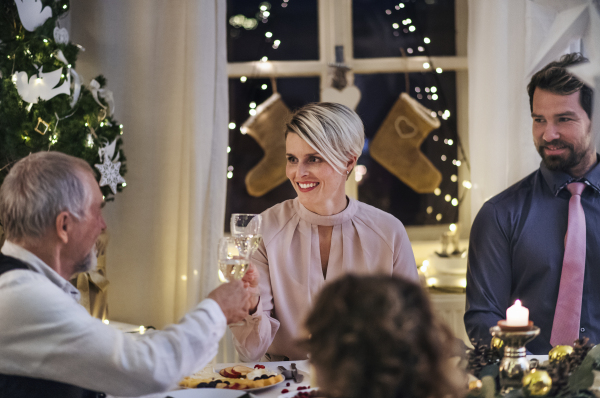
[(234, 259), (246, 229)]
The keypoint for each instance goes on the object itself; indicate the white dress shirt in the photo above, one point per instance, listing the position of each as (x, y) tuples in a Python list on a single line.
[(46, 334)]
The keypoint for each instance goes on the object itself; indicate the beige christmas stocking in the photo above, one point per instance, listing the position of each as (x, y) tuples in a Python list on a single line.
[(397, 144), (267, 128)]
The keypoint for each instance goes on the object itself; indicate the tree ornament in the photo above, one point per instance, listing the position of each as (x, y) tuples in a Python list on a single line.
[(396, 145), (537, 383), (560, 353), (40, 86), (61, 35), (44, 124), (267, 128), (31, 13), (109, 170)]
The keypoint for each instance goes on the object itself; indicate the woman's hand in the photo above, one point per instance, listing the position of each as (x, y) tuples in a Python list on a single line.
[(251, 281)]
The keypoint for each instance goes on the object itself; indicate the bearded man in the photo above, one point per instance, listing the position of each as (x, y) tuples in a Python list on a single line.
[(519, 246)]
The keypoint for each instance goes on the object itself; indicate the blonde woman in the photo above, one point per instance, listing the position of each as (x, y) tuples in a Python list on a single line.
[(318, 236)]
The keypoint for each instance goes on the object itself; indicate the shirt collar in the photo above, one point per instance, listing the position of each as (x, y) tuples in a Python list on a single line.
[(557, 180), (35, 264), (317, 219)]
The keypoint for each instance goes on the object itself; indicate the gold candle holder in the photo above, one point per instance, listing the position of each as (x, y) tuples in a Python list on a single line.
[(514, 365)]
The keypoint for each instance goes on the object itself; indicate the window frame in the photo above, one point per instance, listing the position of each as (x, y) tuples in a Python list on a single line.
[(335, 29)]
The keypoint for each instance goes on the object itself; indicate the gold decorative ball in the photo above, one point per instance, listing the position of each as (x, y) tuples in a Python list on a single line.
[(560, 353), (537, 383), (475, 386), (497, 343)]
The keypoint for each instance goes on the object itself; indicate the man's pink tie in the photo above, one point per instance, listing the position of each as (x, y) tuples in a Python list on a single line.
[(565, 328)]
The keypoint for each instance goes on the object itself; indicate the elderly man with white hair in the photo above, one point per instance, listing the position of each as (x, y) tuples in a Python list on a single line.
[(51, 212)]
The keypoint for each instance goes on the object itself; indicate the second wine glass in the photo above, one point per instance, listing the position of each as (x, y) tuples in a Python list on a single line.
[(247, 230)]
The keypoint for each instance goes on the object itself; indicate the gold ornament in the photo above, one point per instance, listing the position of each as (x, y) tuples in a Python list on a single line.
[(43, 123), (101, 114), (497, 343), (560, 353), (537, 383), (475, 386)]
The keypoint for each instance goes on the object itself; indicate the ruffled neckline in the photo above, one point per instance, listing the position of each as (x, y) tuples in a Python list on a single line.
[(317, 219)]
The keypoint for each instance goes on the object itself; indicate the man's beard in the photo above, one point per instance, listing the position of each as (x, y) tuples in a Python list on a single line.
[(88, 263), (559, 163)]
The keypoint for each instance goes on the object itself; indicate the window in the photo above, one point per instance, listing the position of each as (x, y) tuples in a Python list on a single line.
[(298, 39)]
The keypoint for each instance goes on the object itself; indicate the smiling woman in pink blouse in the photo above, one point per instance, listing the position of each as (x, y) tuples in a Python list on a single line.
[(318, 236)]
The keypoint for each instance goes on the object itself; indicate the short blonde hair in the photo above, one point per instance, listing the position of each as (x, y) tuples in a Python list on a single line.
[(333, 130)]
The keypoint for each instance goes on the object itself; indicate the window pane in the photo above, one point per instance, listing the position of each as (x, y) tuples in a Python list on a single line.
[(245, 151), (378, 186), (291, 24), (382, 27)]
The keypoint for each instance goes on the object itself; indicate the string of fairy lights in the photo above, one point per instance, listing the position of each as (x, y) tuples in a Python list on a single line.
[(432, 93), (405, 25)]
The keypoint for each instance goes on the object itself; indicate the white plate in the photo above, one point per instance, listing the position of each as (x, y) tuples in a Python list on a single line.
[(205, 393), (242, 391), (292, 394)]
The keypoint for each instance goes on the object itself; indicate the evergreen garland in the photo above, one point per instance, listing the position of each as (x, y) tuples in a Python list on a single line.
[(79, 130)]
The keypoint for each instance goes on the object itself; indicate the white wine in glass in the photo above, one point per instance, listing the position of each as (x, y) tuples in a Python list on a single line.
[(234, 268), (247, 230), (233, 259)]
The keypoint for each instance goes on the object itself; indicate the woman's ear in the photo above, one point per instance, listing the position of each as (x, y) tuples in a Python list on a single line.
[(351, 163), (350, 166)]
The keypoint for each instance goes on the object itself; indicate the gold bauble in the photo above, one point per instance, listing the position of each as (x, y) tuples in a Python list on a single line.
[(475, 386), (560, 353), (537, 383), (497, 343)]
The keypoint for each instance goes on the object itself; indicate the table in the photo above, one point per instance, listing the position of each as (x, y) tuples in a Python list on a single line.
[(274, 392)]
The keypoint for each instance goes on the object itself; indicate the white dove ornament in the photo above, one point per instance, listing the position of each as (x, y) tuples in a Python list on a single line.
[(31, 13), (42, 87)]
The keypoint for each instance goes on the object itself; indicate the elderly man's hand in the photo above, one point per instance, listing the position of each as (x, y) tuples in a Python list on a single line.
[(233, 300), (251, 280)]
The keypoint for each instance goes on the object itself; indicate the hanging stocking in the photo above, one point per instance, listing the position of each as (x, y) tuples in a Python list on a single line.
[(267, 128), (396, 145)]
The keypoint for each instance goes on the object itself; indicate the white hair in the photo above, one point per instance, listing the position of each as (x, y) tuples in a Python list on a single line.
[(333, 130), (37, 189)]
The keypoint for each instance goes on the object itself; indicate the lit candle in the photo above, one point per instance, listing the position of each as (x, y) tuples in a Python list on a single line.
[(517, 315)]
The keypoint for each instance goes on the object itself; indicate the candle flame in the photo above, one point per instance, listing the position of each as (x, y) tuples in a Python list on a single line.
[(518, 302)]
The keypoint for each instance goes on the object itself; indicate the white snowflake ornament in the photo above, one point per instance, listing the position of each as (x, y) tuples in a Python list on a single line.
[(109, 170)]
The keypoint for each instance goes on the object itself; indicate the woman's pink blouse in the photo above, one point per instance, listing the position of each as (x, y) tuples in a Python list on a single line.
[(365, 240)]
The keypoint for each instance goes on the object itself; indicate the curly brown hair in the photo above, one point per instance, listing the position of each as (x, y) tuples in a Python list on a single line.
[(376, 337)]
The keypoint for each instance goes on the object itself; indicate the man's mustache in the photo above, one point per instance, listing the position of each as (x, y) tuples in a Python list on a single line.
[(556, 143)]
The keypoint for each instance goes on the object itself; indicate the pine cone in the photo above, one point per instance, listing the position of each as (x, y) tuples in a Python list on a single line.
[(581, 347), (559, 372), (480, 356)]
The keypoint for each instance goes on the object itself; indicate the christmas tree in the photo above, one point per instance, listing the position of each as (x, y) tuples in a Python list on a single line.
[(43, 104)]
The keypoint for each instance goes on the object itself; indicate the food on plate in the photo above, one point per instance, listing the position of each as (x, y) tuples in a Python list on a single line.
[(306, 394), (233, 377), (235, 372), (260, 373)]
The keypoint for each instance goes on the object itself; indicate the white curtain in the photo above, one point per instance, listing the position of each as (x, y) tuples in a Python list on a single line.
[(165, 62), (504, 38)]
